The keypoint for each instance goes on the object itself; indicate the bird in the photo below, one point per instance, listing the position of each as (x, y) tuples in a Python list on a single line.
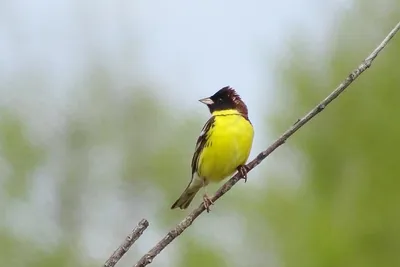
[(222, 147)]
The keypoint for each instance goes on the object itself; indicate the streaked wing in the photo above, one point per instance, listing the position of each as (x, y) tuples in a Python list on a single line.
[(201, 142)]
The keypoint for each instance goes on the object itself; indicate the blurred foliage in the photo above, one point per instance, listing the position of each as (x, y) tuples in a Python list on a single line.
[(197, 254), (116, 157), (136, 128), (18, 152), (345, 212)]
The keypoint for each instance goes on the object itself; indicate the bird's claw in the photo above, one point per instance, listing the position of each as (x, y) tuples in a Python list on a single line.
[(243, 169), (207, 202)]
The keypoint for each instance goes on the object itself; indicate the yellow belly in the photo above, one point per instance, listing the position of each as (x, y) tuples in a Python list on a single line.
[(228, 146)]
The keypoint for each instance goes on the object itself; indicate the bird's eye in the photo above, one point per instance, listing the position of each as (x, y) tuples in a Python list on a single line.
[(220, 99)]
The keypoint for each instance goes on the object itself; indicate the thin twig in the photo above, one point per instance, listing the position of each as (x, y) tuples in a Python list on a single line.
[(185, 223), (128, 242)]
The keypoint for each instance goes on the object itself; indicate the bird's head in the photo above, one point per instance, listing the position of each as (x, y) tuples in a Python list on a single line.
[(225, 99)]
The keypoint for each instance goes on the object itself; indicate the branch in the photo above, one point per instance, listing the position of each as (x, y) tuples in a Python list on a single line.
[(129, 240), (185, 223)]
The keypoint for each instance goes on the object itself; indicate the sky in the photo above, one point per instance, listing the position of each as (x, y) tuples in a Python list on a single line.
[(190, 48), (186, 49)]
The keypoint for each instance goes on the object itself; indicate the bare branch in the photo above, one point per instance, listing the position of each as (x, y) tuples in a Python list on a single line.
[(128, 242), (185, 223)]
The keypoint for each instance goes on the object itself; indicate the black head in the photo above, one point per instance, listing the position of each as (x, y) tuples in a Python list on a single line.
[(225, 98)]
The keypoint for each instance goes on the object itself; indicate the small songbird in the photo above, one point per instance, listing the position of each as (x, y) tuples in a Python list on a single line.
[(223, 146)]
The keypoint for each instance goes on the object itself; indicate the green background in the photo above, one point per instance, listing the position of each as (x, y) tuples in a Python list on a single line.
[(329, 197)]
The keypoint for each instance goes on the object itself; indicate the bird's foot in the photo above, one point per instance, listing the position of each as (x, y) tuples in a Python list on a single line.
[(243, 170), (207, 202)]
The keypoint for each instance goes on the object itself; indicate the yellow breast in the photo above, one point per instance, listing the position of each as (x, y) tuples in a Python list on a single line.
[(228, 146)]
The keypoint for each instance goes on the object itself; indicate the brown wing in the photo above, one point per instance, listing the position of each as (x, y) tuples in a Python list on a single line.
[(201, 142)]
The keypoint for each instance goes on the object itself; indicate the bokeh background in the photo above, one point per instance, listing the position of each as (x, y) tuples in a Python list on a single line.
[(99, 116)]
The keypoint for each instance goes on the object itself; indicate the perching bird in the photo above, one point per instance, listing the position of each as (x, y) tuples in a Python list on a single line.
[(223, 146)]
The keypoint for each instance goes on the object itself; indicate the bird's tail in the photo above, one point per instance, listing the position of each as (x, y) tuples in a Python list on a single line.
[(187, 196)]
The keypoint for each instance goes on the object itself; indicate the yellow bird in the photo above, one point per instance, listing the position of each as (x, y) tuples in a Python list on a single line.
[(223, 146)]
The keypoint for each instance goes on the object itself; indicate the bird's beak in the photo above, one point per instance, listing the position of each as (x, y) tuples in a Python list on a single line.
[(207, 101)]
